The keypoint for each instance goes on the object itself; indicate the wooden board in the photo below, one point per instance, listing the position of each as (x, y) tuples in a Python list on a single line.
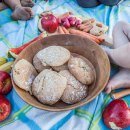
[(75, 44)]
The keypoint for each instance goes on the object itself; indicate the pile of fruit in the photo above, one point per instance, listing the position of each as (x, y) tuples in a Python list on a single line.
[(5, 88), (65, 24), (70, 24)]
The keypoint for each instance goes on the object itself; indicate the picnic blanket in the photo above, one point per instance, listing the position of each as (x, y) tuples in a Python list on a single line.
[(16, 33)]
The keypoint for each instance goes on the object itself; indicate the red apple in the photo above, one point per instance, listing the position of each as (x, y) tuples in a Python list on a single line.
[(5, 83), (117, 115), (49, 22), (5, 108), (59, 21)]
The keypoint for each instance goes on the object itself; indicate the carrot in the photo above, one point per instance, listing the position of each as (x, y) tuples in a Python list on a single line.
[(99, 25), (94, 38), (81, 27), (86, 35), (84, 25), (60, 30), (101, 39), (65, 30), (88, 28), (92, 20)]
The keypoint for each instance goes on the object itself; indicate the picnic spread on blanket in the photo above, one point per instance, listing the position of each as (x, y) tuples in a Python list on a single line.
[(53, 70)]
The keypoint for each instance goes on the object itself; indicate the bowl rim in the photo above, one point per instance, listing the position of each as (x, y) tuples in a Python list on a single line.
[(55, 109)]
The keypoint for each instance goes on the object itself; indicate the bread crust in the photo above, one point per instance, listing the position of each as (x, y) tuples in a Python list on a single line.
[(23, 74), (49, 86), (38, 64), (53, 56), (81, 70), (75, 91)]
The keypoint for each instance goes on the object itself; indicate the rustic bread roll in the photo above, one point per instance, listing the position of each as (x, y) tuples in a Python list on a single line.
[(23, 74), (53, 56), (49, 86), (75, 91), (81, 70), (38, 65), (62, 67)]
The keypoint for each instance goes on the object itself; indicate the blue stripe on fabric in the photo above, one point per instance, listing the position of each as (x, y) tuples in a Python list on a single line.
[(62, 121), (16, 101), (30, 123), (7, 16), (6, 35)]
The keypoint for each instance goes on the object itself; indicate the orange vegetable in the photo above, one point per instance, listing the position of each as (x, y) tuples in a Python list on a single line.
[(88, 28), (86, 35), (60, 30), (65, 30)]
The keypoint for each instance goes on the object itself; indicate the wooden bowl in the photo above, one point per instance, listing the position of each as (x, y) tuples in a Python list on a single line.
[(75, 44)]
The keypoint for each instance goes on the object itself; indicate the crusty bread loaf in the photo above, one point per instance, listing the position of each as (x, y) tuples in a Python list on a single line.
[(38, 65), (53, 56), (75, 91), (23, 74), (49, 86), (81, 70)]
